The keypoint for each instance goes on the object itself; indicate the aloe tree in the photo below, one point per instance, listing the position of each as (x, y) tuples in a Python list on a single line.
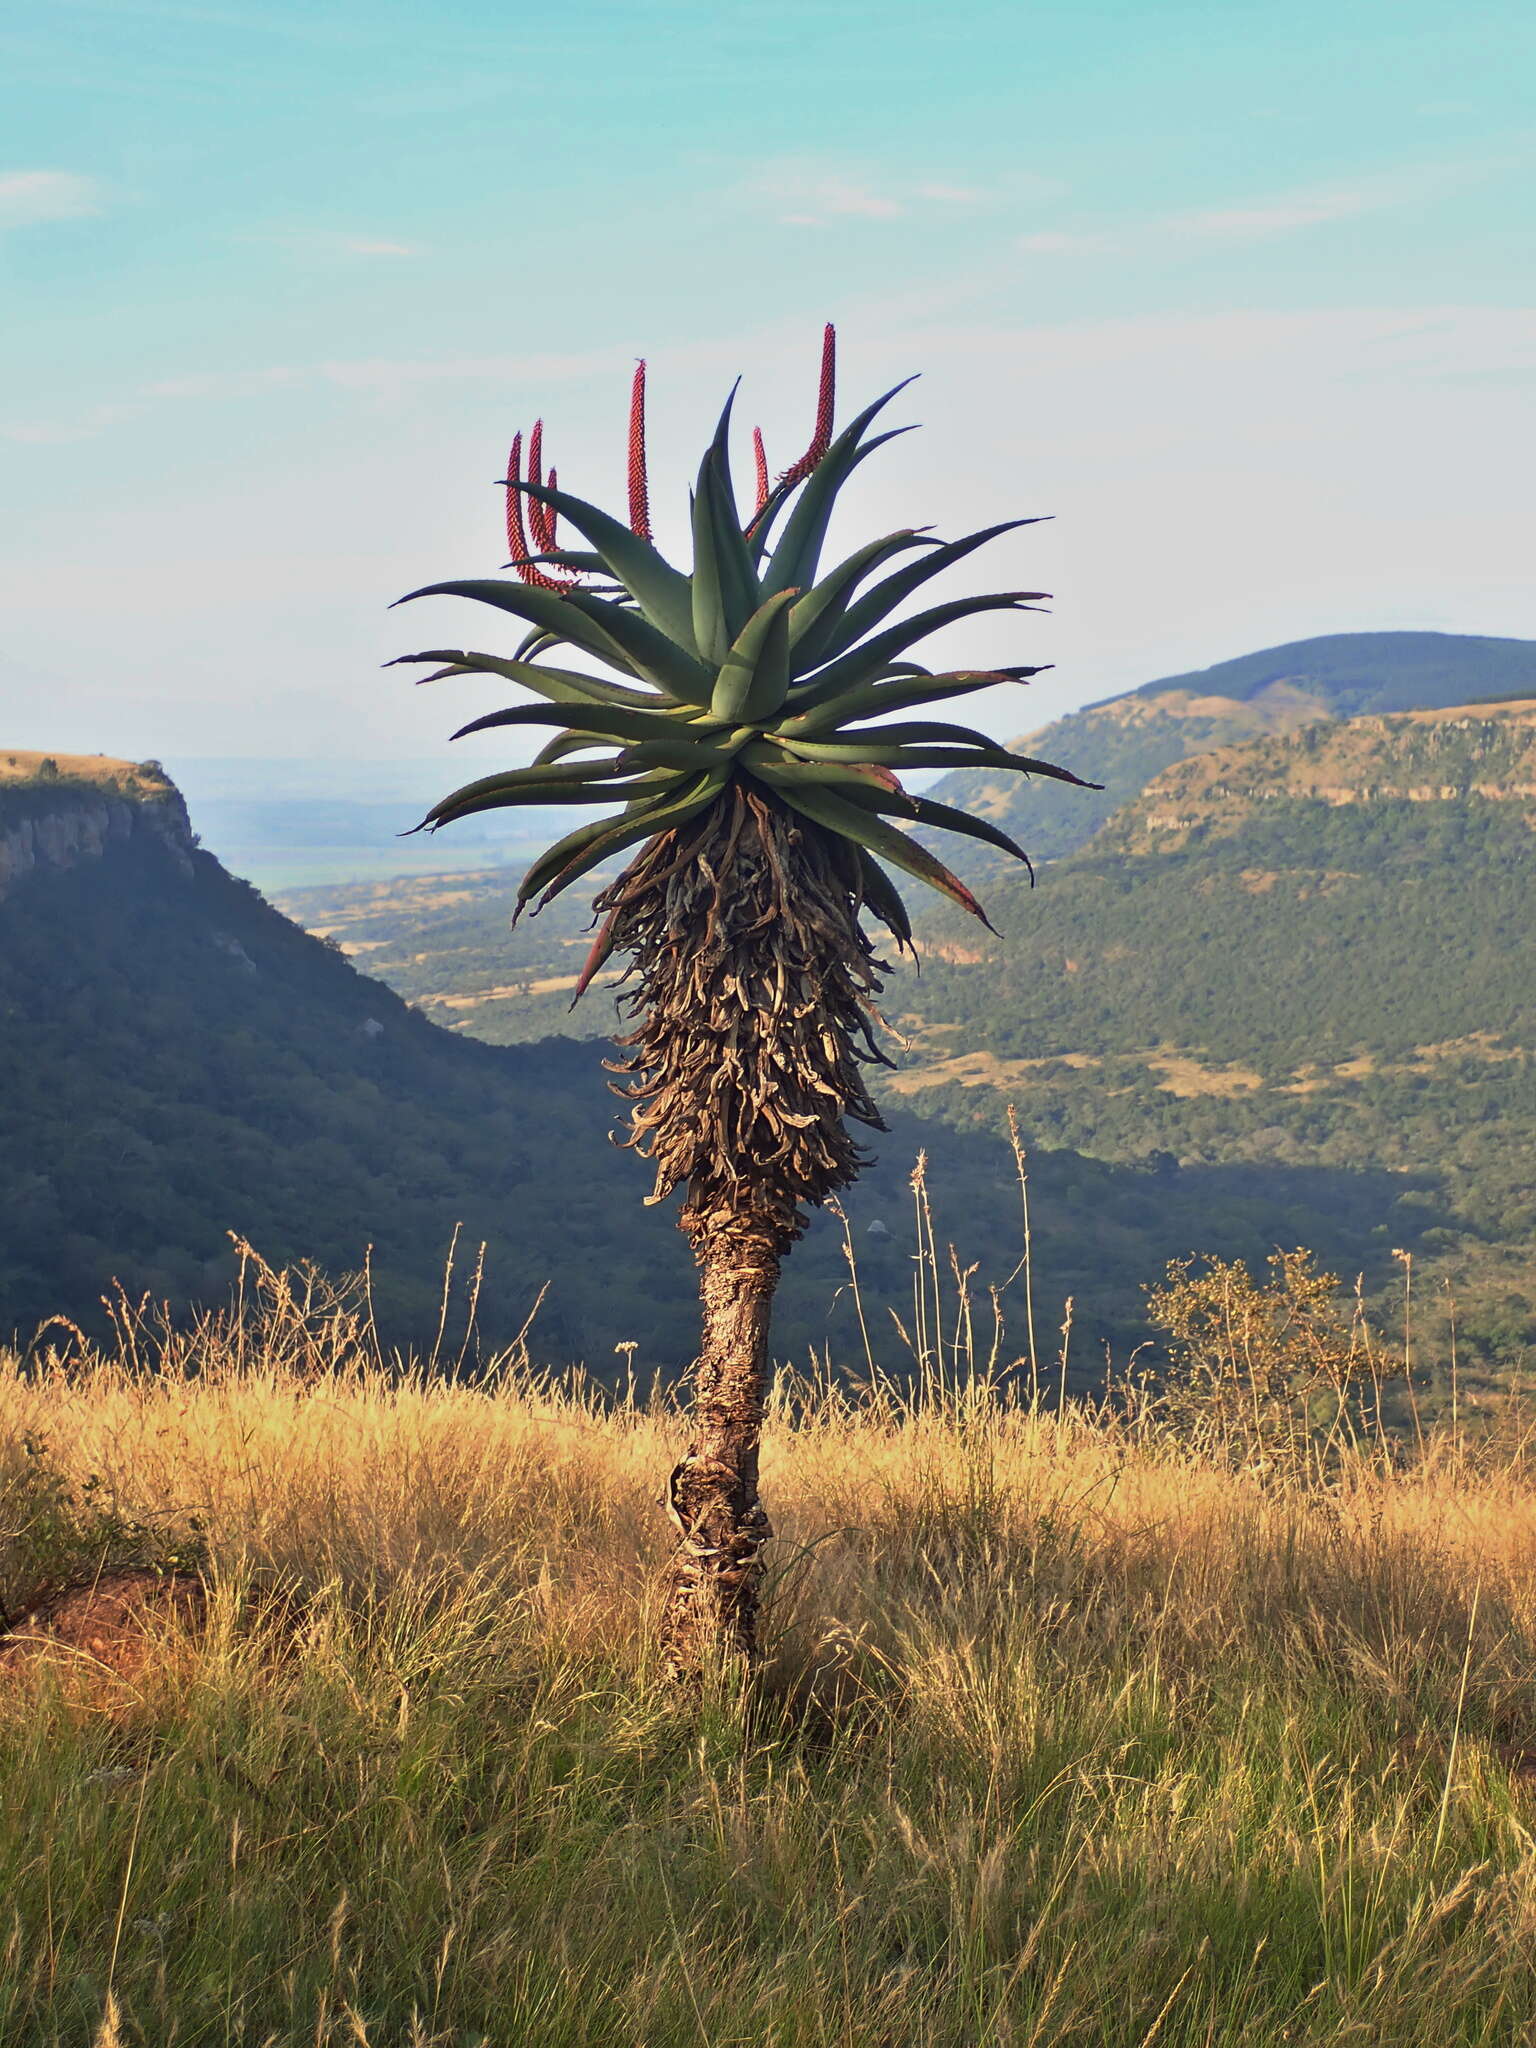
[(747, 728)]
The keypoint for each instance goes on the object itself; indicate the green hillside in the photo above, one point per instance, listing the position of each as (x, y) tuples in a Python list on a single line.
[(1127, 740), (1308, 948), (197, 1064)]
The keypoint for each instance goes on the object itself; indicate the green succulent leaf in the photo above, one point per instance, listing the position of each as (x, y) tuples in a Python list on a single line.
[(582, 782), (725, 592), (884, 899), (550, 613), (872, 657), (754, 677), (816, 615), (944, 817), (764, 759), (558, 685), (870, 700), (567, 743), (589, 847), (984, 754), (606, 721), (648, 651), (576, 560), (879, 603), (910, 732), (797, 552), (678, 752), (868, 830)]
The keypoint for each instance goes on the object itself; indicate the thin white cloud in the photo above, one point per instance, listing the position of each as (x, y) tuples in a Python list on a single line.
[(1052, 243), (1285, 216), (828, 196), (31, 198), (1286, 213), (952, 195), (332, 242), (224, 383), (813, 192), (62, 433), (361, 246), (380, 377)]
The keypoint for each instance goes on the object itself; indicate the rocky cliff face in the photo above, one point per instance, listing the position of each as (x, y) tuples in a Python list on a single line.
[(63, 817), (1485, 751)]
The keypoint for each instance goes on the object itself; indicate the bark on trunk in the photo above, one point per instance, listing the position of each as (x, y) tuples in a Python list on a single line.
[(710, 1608)]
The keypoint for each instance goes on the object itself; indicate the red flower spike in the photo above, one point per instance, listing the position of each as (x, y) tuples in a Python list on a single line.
[(825, 395), (821, 439), (538, 515), (761, 454), (517, 538), (639, 490), (517, 546)]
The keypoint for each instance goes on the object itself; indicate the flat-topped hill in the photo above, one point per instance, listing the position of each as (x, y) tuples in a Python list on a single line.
[(1126, 740), (26, 766), (57, 810), (1482, 751)]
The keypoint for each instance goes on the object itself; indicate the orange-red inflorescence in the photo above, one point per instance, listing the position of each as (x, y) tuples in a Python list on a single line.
[(517, 538), (542, 518), (538, 515), (821, 439), (639, 488)]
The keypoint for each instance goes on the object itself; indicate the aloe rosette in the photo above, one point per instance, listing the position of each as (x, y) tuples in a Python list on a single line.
[(751, 667)]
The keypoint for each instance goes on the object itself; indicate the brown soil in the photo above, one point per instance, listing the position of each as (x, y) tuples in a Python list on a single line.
[(113, 1624)]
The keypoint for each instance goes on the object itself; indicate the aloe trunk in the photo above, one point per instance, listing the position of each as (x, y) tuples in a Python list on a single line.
[(711, 1601)]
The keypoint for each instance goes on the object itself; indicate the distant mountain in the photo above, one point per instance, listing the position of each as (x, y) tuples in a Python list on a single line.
[(1309, 947), (193, 1063), (1124, 741)]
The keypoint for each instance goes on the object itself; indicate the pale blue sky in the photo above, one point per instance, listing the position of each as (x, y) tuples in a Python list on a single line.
[(1242, 294)]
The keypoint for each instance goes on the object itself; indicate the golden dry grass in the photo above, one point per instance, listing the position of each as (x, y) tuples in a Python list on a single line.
[(1069, 1733)]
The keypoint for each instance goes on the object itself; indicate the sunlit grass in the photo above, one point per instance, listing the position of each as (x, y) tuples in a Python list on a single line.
[(1069, 1734)]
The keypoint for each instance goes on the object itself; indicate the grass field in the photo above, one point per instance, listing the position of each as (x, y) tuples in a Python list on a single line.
[(1070, 1734)]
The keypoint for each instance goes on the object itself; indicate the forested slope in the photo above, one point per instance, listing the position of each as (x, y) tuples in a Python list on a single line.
[(196, 1064), (1313, 948)]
